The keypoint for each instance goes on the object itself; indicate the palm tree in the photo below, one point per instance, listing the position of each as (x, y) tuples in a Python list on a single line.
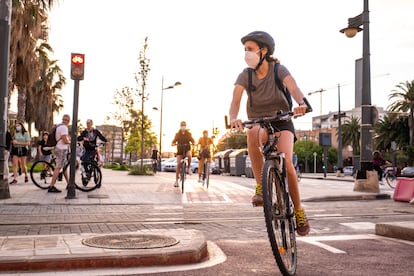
[(351, 134), (404, 102), (389, 129), (28, 28), (44, 93)]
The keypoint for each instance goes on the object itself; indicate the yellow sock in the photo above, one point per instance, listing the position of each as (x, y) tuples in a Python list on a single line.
[(258, 189)]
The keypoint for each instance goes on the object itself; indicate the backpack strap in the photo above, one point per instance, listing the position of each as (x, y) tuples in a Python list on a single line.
[(281, 87), (250, 87)]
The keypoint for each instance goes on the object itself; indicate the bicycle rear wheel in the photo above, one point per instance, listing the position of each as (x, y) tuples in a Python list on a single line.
[(391, 180), (182, 175), (88, 177), (278, 213), (41, 174)]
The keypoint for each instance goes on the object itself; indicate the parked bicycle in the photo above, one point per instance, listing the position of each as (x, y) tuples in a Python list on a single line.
[(88, 175), (277, 204)]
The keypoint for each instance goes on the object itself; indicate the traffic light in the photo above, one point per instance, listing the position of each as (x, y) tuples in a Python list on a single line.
[(77, 66)]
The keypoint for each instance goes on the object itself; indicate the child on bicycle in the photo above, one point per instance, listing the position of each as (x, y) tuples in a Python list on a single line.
[(204, 145), (264, 101), (183, 140)]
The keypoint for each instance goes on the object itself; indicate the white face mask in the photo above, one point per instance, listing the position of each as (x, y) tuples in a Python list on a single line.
[(183, 128), (252, 59)]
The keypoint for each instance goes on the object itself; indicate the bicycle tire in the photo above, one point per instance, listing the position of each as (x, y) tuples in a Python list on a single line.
[(207, 173), (182, 175), (89, 178), (41, 177), (391, 180), (278, 212)]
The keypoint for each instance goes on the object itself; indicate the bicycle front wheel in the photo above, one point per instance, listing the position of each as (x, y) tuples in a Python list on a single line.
[(207, 173), (391, 180), (182, 175), (278, 214), (41, 174), (88, 177)]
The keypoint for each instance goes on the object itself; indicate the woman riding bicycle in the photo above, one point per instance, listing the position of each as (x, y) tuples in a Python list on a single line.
[(183, 140), (264, 100)]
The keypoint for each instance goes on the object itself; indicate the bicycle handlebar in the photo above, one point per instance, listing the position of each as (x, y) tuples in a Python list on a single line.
[(280, 116)]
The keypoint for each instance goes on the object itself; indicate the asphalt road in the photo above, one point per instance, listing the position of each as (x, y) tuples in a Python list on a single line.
[(342, 240)]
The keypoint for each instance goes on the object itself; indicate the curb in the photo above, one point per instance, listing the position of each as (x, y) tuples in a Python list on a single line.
[(347, 197), (398, 230), (191, 249)]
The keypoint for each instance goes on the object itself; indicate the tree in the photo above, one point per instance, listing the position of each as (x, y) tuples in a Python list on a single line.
[(124, 99), (141, 83), (351, 134), (404, 102), (29, 29), (391, 129)]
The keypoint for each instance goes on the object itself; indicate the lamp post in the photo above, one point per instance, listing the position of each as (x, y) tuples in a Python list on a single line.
[(161, 106), (339, 116), (354, 26)]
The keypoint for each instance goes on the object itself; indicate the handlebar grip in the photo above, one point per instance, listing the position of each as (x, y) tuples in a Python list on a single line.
[(226, 122), (308, 106)]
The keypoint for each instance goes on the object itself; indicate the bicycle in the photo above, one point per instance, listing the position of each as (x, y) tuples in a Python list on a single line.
[(205, 175), (184, 166), (390, 175), (277, 205), (88, 176)]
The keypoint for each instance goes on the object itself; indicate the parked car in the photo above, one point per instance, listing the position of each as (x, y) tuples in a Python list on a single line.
[(166, 162), (169, 165), (407, 172), (348, 170)]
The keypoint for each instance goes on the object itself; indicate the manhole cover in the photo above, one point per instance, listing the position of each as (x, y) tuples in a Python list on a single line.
[(98, 196), (130, 241)]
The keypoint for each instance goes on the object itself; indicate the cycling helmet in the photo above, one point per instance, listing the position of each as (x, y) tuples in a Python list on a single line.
[(261, 38)]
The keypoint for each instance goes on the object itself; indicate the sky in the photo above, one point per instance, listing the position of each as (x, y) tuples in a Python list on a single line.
[(198, 44)]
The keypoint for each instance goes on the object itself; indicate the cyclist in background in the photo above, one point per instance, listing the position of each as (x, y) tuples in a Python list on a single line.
[(183, 140), (89, 137), (204, 145), (264, 100)]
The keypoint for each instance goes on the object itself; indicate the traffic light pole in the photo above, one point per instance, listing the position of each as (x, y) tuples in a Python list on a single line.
[(76, 73), (5, 19), (73, 140)]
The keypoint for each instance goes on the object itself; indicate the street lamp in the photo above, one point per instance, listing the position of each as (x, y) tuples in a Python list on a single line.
[(354, 26), (162, 96)]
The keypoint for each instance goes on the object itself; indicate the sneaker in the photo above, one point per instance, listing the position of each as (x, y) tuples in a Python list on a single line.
[(13, 182), (60, 175), (302, 224), (176, 184), (26, 179), (257, 200), (53, 189)]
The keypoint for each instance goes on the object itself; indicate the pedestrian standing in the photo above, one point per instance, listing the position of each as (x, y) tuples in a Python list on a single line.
[(20, 143)]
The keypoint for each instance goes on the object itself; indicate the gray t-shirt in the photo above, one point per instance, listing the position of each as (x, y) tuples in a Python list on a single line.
[(267, 99)]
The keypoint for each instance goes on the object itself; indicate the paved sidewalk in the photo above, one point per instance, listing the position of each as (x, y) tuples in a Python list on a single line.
[(67, 251)]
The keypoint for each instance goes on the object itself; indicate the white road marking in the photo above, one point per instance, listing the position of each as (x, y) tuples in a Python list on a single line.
[(318, 240)]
